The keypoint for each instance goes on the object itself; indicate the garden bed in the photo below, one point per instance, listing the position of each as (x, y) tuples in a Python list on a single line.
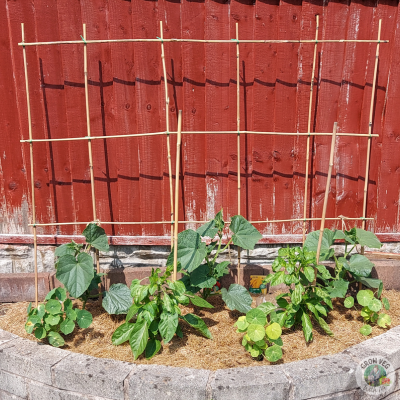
[(224, 351)]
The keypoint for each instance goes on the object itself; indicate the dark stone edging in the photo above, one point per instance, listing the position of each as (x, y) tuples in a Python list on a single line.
[(34, 371)]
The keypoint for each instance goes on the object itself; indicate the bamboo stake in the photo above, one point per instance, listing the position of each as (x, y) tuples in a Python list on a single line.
[(371, 113), (28, 106), (238, 131), (171, 192), (85, 70), (201, 132), (328, 183), (198, 222), (199, 41), (178, 159), (309, 127)]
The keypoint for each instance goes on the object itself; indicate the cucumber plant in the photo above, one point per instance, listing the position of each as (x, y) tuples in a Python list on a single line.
[(56, 316), (199, 261), (154, 314), (370, 311), (75, 267), (261, 339), (295, 267)]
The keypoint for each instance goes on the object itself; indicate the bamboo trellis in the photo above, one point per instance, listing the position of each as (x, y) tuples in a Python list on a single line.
[(174, 201)]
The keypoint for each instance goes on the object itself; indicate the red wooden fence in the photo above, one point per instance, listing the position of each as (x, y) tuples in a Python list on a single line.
[(126, 96)]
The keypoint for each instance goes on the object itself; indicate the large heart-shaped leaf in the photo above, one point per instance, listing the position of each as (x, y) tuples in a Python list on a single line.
[(96, 236), (118, 299), (245, 234), (75, 274), (209, 229), (167, 326), (191, 250), (359, 265), (237, 298), (200, 278), (197, 323), (311, 243), (369, 239), (338, 288), (138, 338)]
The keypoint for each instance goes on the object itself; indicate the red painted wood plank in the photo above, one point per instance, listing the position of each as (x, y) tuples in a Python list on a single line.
[(147, 58), (18, 13), (333, 24), (70, 27), (305, 68), (349, 184), (289, 18), (13, 179), (262, 198), (54, 114), (221, 177), (194, 111), (124, 109), (386, 123), (243, 12)]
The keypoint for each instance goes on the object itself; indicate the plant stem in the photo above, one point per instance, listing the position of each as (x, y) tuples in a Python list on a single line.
[(218, 251)]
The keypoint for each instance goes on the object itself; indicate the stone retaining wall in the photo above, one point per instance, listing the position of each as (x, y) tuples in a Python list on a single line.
[(34, 371)]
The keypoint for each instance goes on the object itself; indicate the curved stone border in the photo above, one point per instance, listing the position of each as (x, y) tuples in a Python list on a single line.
[(34, 371)]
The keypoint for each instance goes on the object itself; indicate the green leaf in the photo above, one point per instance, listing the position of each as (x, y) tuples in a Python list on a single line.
[(152, 348), (96, 236), (55, 339), (29, 309), (118, 299), (386, 304), (321, 309), (309, 273), (200, 277), (364, 297), (324, 326), (371, 282), (279, 317), (242, 323), (131, 312), (167, 303), (256, 316), (273, 353), (178, 287), (278, 278), (219, 221), (53, 306), (245, 234), (191, 250), (256, 332), (199, 302), (307, 327), (266, 307), (83, 318), (237, 298), (40, 333), (359, 265), (179, 332), (64, 249), (197, 323), (167, 326), (221, 269), (122, 333), (311, 243), (349, 302), (273, 331), (338, 289), (75, 274), (52, 320), (366, 330), (71, 314), (297, 294), (375, 305), (138, 338), (67, 326), (41, 310), (384, 320), (209, 229), (324, 272), (369, 239)]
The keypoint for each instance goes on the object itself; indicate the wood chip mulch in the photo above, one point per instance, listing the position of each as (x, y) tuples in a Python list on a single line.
[(195, 351)]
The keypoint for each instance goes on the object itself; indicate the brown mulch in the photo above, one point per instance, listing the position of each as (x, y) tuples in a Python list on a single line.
[(195, 351)]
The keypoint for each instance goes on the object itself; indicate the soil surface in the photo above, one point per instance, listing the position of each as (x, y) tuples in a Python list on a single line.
[(195, 351)]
